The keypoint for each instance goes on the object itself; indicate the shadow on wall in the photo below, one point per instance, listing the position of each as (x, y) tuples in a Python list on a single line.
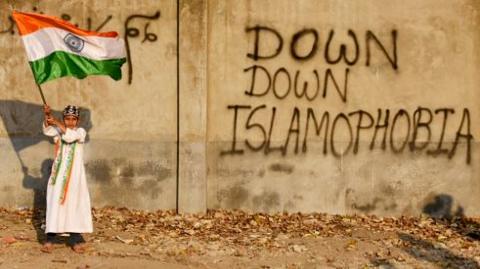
[(439, 255), (449, 216), (441, 207), (39, 186), (23, 123)]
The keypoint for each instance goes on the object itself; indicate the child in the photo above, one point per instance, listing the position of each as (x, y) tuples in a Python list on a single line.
[(68, 200)]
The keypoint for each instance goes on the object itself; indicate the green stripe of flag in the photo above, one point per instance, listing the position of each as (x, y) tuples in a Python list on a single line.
[(60, 64)]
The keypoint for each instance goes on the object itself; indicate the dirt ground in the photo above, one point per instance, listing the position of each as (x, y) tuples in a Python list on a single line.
[(126, 238)]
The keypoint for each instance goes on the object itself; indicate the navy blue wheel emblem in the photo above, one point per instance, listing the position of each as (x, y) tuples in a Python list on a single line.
[(74, 43)]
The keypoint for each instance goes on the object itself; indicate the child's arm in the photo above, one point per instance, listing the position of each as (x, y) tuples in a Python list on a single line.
[(53, 121), (48, 127), (49, 130), (71, 135), (47, 114)]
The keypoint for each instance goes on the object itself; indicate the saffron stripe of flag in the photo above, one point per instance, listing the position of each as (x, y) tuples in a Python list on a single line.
[(28, 23), (56, 48)]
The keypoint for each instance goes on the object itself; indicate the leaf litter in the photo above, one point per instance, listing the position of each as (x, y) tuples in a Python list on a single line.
[(242, 234)]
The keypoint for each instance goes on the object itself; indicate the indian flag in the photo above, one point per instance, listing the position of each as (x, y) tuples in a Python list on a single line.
[(56, 48)]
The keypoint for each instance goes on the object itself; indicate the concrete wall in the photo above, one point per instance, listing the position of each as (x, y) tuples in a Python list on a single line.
[(395, 83), (418, 60), (131, 154)]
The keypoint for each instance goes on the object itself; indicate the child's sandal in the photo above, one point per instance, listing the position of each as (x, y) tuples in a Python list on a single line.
[(79, 248), (47, 248)]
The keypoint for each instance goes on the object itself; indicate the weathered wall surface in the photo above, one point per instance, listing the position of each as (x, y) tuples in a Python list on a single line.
[(331, 106), (343, 106), (130, 156)]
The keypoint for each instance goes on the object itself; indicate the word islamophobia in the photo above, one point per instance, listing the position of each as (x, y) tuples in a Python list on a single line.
[(394, 129)]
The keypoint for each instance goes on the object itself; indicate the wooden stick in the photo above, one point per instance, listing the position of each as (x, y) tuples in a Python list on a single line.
[(41, 93)]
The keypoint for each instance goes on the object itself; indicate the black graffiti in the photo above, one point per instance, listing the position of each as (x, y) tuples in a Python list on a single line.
[(325, 121), (379, 126), (468, 136), (272, 83), (294, 129), (151, 37), (296, 37), (275, 80), (100, 26), (249, 125), (63, 16), (401, 113), (256, 54), (440, 150), (9, 28), (268, 145), (361, 114), (404, 129), (269, 52), (332, 141), (392, 59), (131, 32), (305, 86), (89, 26), (343, 50), (418, 123), (233, 149)]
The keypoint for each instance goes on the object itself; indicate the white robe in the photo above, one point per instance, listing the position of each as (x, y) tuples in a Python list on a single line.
[(74, 215)]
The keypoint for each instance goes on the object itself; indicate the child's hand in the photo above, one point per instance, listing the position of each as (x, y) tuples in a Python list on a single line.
[(51, 120), (46, 110)]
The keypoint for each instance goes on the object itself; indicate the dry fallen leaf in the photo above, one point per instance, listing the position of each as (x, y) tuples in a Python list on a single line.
[(9, 240), (60, 260), (126, 241)]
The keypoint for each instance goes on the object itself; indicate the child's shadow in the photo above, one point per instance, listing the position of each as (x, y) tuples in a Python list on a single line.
[(39, 188)]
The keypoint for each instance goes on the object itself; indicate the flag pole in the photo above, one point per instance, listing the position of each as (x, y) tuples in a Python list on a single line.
[(41, 93)]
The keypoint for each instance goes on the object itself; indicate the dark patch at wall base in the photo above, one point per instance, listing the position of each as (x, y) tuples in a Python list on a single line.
[(368, 207), (282, 168), (234, 172), (99, 170), (128, 171), (356, 202), (8, 189), (102, 170), (234, 197), (238, 197), (150, 168), (289, 206), (297, 197), (125, 183), (267, 201), (150, 188)]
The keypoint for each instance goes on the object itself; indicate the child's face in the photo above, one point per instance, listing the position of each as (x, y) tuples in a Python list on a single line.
[(70, 121)]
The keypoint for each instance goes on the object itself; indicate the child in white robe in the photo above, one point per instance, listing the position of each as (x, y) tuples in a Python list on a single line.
[(68, 200)]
